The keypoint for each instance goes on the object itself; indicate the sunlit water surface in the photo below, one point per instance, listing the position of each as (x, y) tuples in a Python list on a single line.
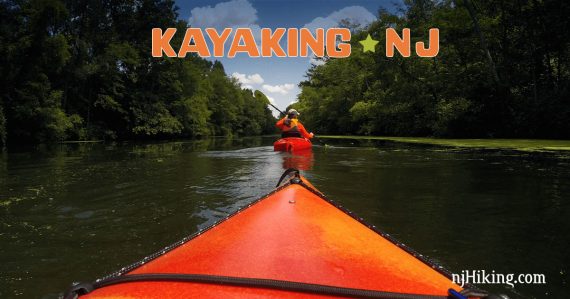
[(75, 212)]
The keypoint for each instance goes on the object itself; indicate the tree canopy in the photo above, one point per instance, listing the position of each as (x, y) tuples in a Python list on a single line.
[(502, 71), (83, 70)]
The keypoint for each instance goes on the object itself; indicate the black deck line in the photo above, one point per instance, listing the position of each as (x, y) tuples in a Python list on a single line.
[(423, 258), (186, 239), (434, 265)]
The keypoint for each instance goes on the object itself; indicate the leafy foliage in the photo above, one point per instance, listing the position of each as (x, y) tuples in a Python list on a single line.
[(83, 70), (455, 94)]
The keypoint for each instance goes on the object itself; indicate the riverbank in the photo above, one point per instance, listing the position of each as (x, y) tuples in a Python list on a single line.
[(527, 145)]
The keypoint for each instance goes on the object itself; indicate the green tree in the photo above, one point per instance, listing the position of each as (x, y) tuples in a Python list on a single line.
[(502, 70), (83, 70)]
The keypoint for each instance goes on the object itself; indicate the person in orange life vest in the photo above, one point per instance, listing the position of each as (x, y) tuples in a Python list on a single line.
[(290, 126)]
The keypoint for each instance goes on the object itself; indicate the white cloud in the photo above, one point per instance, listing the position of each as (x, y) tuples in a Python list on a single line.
[(248, 79), (272, 100), (231, 14), (282, 89), (354, 14), (247, 87), (316, 61)]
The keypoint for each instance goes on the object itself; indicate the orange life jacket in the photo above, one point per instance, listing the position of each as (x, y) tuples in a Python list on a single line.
[(290, 125)]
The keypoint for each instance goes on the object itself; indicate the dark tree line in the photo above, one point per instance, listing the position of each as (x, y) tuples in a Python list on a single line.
[(76, 70), (502, 71)]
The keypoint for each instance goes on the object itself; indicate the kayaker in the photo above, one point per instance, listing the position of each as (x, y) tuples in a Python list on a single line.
[(290, 126)]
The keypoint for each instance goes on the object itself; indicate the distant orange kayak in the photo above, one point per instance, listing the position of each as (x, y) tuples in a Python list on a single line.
[(290, 144), (291, 243)]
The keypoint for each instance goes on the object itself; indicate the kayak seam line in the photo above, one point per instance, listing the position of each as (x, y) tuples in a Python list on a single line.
[(120, 274), (423, 258), (188, 238)]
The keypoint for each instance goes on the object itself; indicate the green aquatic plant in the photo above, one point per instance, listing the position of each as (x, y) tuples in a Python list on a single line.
[(528, 145)]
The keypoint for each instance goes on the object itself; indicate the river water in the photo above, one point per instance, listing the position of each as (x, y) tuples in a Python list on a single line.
[(75, 212)]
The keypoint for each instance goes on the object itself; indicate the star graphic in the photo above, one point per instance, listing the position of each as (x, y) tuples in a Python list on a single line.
[(369, 44)]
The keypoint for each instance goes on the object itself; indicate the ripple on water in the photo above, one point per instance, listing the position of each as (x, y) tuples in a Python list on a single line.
[(65, 209), (111, 200), (84, 215)]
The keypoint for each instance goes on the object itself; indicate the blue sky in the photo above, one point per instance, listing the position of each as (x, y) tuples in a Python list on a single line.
[(276, 77)]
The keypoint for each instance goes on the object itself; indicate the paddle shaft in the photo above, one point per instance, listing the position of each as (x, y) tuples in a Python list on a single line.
[(317, 139), (277, 109)]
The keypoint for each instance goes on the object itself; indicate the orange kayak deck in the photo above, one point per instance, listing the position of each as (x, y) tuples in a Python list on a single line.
[(292, 234), (292, 144)]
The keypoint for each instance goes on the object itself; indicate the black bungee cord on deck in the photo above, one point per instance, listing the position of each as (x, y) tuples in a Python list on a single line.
[(282, 285), (79, 289)]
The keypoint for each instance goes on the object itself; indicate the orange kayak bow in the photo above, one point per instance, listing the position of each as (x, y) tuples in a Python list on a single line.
[(293, 242)]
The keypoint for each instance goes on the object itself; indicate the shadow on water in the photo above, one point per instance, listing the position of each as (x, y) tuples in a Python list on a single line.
[(75, 212)]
